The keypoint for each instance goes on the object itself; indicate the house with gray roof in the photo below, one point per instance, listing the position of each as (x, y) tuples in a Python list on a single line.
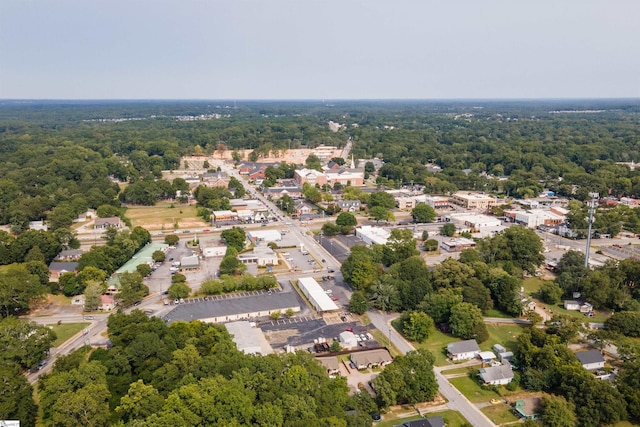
[(425, 422), (463, 350), (57, 268), (497, 375), (591, 360)]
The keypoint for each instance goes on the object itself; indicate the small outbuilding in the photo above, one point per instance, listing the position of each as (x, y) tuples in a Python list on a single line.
[(348, 339)]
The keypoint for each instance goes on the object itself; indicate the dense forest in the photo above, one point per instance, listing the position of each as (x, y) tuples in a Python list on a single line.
[(60, 158)]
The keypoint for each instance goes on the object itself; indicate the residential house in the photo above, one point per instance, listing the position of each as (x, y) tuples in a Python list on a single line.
[(107, 302), (303, 208), (371, 358), (425, 422), (38, 225), (69, 255), (581, 306), (463, 350), (496, 375), (58, 268), (591, 360), (331, 364), (104, 223), (572, 305), (348, 205), (528, 409)]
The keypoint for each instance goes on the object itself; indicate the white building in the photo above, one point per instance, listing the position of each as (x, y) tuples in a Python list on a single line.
[(458, 244), (463, 350), (212, 248), (348, 339), (316, 295), (373, 235), (497, 375), (264, 235), (476, 222), (591, 360), (261, 255), (248, 338)]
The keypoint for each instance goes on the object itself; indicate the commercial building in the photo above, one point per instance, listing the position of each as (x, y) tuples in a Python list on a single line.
[(373, 235), (316, 295), (458, 244), (474, 201), (232, 309), (212, 247), (264, 236), (248, 338), (261, 255)]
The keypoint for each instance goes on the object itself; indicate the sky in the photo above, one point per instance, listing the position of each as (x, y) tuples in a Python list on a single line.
[(319, 49)]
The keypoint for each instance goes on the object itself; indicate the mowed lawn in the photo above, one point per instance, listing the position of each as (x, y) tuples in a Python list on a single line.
[(66, 331), (163, 217), (451, 419), (500, 413), (472, 390)]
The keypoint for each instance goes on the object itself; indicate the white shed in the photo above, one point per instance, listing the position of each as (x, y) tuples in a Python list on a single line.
[(348, 339)]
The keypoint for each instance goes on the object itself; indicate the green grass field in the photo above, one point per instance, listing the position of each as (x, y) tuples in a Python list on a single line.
[(436, 344), (163, 217), (66, 331), (472, 390), (502, 334), (500, 413), (451, 419)]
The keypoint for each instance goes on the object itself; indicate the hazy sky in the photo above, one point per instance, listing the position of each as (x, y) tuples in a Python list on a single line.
[(319, 49)]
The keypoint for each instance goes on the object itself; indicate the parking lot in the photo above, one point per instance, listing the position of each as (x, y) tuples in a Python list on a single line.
[(301, 331)]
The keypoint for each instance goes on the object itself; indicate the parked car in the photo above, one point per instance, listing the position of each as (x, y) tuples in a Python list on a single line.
[(335, 298)]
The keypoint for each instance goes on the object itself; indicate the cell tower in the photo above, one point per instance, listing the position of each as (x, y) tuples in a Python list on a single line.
[(592, 210)]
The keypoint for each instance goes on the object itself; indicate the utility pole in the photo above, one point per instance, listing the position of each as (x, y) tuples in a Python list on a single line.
[(592, 210)]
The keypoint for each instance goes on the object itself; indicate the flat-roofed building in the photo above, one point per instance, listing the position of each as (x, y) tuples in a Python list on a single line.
[(438, 202), (248, 338), (318, 298), (473, 201), (217, 216), (476, 221), (264, 236), (232, 309), (458, 244), (261, 255), (373, 235)]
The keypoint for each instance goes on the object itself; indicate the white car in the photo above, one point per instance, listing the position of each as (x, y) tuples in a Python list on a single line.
[(363, 337)]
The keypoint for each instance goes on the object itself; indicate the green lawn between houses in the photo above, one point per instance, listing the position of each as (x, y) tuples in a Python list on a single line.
[(451, 418), (500, 414)]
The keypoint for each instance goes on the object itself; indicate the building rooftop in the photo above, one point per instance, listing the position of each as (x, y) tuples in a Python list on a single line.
[(591, 356), (495, 373), (231, 306), (463, 347), (315, 292)]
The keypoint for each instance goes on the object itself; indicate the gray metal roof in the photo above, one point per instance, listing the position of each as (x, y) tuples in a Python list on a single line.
[(232, 306), (591, 356), (60, 266), (495, 373), (463, 347)]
